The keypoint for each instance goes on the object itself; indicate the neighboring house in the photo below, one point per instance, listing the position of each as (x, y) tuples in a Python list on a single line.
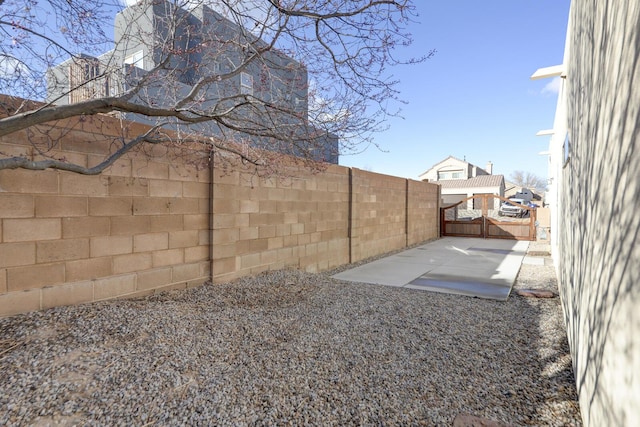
[(212, 46), (459, 179), (511, 188)]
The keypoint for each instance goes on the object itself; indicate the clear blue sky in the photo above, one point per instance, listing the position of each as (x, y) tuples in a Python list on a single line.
[(474, 98)]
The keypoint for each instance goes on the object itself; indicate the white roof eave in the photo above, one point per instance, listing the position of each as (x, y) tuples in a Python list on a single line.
[(544, 73)]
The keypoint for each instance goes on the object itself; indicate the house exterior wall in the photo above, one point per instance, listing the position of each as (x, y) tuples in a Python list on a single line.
[(595, 199), (452, 164), (215, 44), (216, 47), (449, 164), (464, 171), (152, 222)]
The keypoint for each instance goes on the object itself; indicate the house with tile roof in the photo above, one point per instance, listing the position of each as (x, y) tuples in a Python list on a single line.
[(459, 179)]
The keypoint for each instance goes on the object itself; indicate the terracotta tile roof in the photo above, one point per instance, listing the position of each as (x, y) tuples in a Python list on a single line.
[(478, 181)]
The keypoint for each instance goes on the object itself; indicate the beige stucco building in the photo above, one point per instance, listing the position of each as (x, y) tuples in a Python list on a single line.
[(594, 171)]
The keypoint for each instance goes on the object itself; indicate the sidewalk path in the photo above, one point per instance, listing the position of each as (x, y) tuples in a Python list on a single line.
[(484, 268)]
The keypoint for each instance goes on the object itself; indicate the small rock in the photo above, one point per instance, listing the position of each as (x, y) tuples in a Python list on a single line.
[(536, 293), (466, 420)]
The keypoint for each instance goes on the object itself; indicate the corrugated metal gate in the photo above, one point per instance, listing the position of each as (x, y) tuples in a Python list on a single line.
[(483, 219)]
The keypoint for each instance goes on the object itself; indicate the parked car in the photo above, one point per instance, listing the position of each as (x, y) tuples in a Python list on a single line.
[(511, 208)]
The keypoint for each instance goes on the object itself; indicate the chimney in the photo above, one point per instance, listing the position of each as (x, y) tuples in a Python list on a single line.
[(489, 168)]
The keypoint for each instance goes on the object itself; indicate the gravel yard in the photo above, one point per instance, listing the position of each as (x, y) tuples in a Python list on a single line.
[(291, 348)]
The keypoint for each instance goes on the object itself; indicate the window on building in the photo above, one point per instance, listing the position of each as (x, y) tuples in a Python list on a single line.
[(457, 174), (85, 80), (137, 59), (91, 69), (246, 84)]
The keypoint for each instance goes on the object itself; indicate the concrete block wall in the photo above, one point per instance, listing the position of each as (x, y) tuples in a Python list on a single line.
[(150, 222), (379, 214), (274, 223), (65, 238), (315, 221), (423, 210)]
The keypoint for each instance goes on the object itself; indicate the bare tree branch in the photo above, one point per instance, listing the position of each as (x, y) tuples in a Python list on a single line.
[(293, 77), (24, 163), (529, 180)]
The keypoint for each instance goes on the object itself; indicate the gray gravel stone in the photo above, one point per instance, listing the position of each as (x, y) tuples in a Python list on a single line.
[(290, 348)]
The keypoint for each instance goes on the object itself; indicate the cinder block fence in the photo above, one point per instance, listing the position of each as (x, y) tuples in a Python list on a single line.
[(151, 222)]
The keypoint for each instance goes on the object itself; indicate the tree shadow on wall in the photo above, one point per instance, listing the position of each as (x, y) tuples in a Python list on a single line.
[(600, 248)]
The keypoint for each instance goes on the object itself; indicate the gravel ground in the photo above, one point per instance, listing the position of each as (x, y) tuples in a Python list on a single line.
[(290, 348)]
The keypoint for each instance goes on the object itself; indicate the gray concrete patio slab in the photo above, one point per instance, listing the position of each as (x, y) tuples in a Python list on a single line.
[(392, 271), (484, 268)]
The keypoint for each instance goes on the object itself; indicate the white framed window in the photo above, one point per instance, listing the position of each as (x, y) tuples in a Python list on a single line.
[(246, 84), (137, 59), (451, 175)]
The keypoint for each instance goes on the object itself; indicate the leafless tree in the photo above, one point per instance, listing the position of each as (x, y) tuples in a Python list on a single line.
[(529, 180), (228, 77)]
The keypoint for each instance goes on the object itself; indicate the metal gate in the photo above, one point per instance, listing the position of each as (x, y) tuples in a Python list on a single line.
[(480, 216)]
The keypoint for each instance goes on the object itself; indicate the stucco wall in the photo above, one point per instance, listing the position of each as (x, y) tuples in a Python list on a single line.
[(599, 244)]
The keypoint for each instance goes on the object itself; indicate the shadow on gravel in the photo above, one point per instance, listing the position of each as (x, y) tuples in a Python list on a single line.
[(557, 403)]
